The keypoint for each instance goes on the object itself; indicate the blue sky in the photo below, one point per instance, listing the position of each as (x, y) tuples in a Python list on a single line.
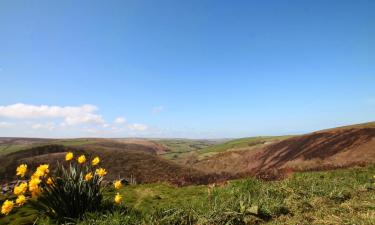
[(195, 69)]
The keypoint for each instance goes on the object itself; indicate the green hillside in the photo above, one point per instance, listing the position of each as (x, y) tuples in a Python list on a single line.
[(240, 144), (345, 196)]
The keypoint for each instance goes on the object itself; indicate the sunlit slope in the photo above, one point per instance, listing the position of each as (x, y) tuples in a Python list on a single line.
[(332, 148)]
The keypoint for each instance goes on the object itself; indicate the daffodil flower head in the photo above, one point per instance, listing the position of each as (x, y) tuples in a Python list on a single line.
[(21, 170), (95, 161), (81, 159), (20, 189), (7, 207), (101, 172), (69, 156), (88, 176), (34, 184), (118, 198), (117, 184), (21, 199), (42, 170)]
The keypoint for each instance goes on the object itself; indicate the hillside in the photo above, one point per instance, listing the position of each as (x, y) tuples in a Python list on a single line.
[(332, 148), (179, 150), (131, 161), (337, 197), (241, 144)]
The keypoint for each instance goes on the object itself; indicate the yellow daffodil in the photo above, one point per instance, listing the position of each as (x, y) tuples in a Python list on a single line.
[(36, 175), (117, 184), (34, 184), (35, 193), (101, 172), (49, 181), (20, 189), (21, 199), (95, 161), (42, 170), (69, 156), (7, 207), (21, 170), (118, 198), (81, 159), (88, 176)]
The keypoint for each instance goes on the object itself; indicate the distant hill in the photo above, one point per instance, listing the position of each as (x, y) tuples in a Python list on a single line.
[(184, 161), (240, 144), (331, 148)]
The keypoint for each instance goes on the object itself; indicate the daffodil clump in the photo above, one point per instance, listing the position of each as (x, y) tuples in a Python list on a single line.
[(67, 193)]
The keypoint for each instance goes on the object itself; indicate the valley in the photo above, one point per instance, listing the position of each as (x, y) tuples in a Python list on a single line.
[(270, 176)]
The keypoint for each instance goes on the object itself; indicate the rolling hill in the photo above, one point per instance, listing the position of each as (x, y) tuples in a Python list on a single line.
[(202, 161), (132, 161), (331, 148)]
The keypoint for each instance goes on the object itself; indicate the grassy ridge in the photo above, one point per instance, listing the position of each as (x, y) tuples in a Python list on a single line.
[(11, 148), (345, 196), (240, 144)]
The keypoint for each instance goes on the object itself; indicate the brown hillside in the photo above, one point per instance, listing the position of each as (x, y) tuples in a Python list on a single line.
[(152, 146), (119, 161), (338, 147)]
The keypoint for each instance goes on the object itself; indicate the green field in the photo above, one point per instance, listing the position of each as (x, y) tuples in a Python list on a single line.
[(345, 196), (240, 144), (179, 148)]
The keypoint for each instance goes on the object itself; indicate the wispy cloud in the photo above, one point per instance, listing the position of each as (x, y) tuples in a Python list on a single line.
[(62, 121), (120, 120), (157, 109)]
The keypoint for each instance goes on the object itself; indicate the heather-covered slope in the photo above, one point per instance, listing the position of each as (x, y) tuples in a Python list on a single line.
[(338, 147)]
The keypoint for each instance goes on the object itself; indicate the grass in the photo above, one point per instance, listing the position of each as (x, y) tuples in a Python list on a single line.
[(6, 149), (344, 196), (179, 148), (240, 144)]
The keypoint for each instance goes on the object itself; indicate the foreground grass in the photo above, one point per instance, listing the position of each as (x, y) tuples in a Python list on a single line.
[(345, 196)]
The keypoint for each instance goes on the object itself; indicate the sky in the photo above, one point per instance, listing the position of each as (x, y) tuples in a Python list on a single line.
[(187, 69)]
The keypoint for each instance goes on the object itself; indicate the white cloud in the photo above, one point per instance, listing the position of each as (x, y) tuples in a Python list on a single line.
[(63, 121), (45, 126), (157, 109), (137, 127), (120, 120), (72, 115)]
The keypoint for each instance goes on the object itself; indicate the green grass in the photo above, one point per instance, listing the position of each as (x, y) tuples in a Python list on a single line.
[(345, 196), (6, 149), (240, 144), (179, 148)]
